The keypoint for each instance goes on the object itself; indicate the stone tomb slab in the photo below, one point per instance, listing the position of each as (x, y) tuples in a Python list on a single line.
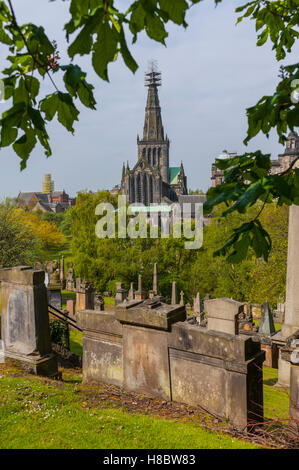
[(102, 346), (146, 363)]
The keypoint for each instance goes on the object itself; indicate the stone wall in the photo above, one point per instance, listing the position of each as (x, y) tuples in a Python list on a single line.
[(148, 347), (25, 320)]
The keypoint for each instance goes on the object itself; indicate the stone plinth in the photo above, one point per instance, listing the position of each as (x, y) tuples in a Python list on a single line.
[(70, 306), (291, 321), (218, 371), (145, 345), (54, 295), (148, 347), (290, 354), (84, 295), (271, 353), (25, 319), (102, 346), (150, 313), (223, 315), (121, 294)]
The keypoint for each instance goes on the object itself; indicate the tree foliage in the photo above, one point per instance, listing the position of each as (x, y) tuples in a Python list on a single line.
[(18, 245), (105, 261), (96, 28)]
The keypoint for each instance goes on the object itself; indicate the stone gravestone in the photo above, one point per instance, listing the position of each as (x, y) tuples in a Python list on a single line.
[(54, 285), (174, 295), (290, 354), (70, 278), (70, 306), (25, 319), (145, 344), (121, 293), (223, 315), (84, 295), (99, 303), (265, 332), (291, 319), (131, 291), (140, 294)]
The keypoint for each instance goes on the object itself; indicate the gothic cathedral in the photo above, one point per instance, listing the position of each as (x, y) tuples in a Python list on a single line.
[(152, 180)]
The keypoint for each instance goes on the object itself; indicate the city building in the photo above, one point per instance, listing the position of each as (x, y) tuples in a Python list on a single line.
[(47, 200), (279, 165)]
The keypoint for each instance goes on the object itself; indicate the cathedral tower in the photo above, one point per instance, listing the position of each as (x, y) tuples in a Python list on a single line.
[(154, 147), (151, 180)]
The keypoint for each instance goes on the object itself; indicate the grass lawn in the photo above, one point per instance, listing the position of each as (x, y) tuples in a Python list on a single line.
[(76, 342), (39, 413)]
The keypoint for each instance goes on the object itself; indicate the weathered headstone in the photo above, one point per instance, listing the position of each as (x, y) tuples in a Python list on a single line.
[(196, 305), (174, 295), (70, 306), (291, 319), (265, 333), (54, 285), (25, 319), (140, 294), (267, 327), (145, 345), (120, 294), (131, 291), (290, 354), (182, 301), (99, 303), (61, 272), (155, 280), (70, 278), (84, 295), (223, 315)]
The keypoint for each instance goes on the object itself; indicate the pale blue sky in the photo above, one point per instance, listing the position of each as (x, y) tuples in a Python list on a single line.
[(211, 72)]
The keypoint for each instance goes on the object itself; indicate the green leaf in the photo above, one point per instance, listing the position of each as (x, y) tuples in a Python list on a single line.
[(24, 146), (128, 59), (8, 135), (176, 11), (105, 49), (49, 106), (155, 28), (248, 198)]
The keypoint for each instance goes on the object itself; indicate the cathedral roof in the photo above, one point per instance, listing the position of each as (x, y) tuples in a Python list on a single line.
[(173, 173)]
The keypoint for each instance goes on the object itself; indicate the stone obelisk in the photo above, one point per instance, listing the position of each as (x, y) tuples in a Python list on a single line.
[(291, 320)]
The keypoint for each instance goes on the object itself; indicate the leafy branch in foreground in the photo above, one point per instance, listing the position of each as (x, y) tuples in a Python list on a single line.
[(100, 30), (247, 182)]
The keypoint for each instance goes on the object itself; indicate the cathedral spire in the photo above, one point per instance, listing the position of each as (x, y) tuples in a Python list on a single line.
[(153, 128)]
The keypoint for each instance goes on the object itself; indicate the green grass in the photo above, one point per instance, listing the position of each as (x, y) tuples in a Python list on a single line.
[(76, 342), (276, 399), (43, 414), (276, 325), (67, 294)]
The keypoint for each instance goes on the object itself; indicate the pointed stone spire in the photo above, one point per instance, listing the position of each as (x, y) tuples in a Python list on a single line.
[(124, 170), (153, 128), (140, 294), (61, 274), (267, 327), (196, 306), (131, 291), (174, 296), (182, 302), (155, 280)]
